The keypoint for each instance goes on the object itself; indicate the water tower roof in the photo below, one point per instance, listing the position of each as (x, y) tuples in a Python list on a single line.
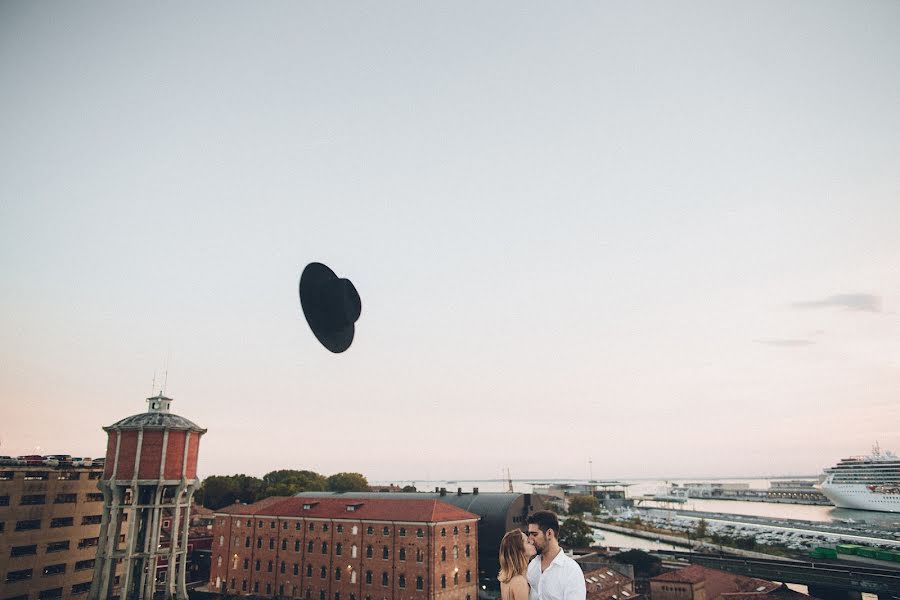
[(155, 420)]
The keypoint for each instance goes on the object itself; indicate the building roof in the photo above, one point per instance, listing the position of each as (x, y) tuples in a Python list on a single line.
[(606, 584), (155, 420), (717, 582), (365, 509)]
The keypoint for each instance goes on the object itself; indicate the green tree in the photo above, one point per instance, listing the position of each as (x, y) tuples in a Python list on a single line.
[(408, 488), (701, 530), (218, 491), (645, 565), (288, 482), (583, 504), (575, 533), (347, 482)]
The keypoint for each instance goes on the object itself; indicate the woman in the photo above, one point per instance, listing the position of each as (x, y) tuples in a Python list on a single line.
[(515, 552)]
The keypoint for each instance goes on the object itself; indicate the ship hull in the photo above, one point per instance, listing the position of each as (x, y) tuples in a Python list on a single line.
[(860, 497)]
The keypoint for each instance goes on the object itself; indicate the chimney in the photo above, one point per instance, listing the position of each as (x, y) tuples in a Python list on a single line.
[(443, 492), (475, 491), (436, 489)]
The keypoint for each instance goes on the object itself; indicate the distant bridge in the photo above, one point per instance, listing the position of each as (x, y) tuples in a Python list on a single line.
[(829, 581)]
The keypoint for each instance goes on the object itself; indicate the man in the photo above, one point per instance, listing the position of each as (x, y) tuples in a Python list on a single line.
[(552, 575)]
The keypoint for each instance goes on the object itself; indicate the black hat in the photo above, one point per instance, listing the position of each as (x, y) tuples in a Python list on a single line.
[(331, 306)]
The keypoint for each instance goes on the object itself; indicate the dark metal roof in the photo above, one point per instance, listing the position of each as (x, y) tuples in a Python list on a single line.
[(155, 420)]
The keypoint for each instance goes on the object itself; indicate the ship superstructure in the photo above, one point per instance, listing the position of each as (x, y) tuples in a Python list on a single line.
[(865, 482)]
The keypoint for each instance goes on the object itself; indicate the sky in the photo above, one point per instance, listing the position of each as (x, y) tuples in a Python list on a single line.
[(660, 237)]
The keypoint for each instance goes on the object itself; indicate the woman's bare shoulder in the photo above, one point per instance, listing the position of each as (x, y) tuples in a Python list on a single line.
[(519, 587)]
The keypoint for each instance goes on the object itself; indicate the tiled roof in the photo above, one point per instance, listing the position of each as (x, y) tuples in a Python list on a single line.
[(607, 584), (155, 420), (717, 582), (374, 509)]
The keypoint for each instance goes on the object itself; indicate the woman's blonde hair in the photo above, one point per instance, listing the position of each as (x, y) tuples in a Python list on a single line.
[(513, 560)]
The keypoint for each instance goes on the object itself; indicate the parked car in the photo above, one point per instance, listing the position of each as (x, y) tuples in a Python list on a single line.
[(31, 460)]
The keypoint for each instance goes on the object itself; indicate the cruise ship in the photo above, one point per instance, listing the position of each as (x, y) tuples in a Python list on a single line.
[(865, 482)]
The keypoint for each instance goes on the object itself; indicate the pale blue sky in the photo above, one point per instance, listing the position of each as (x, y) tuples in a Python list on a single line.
[(664, 236)]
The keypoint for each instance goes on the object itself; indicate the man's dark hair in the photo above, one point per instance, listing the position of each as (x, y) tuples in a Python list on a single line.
[(545, 520)]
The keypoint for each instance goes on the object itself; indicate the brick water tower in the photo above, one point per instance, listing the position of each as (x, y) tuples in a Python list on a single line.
[(150, 475)]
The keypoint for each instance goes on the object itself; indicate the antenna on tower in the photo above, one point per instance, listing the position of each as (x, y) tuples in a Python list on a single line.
[(165, 377), (153, 385)]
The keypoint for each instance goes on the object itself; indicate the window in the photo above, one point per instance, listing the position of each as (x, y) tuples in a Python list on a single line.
[(93, 497), (468, 576), (443, 553), (369, 577), (244, 583), (271, 543), (322, 595), (402, 554), (337, 574), (443, 532), (420, 583), (296, 568), (443, 582), (338, 548), (353, 551), (309, 570), (22, 575), (247, 543), (297, 526), (455, 552), (420, 555), (33, 499), (401, 581), (284, 526), (268, 589), (323, 573), (324, 547), (36, 475), (81, 565), (403, 532), (324, 527), (386, 531), (88, 542), (340, 529), (91, 519), (258, 563), (65, 499), (352, 579), (455, 530), (312, 526), (281, 590), (249, 523), (255, 586), (4, 500), (57, 546), (81, 588), (297, 546), (48, 594), (246, 563), (385, 552), (337, 596), (55, 569), (284, 544), (259, 523), (467, 529), (354, 530), (468, 551), (370, 530), (420, 533), (309, 546), (456, 578), (283, 567), (23, 550), (384, 579), (369, 552)]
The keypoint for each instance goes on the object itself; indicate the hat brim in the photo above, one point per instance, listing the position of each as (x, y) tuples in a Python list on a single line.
[(314, 276)]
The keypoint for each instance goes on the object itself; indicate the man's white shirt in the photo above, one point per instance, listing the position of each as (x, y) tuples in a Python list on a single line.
[(562, 580)]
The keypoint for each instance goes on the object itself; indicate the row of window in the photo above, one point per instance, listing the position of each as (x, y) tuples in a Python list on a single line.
[(339, 548), (385, 582), (25, 574), (340, 528), (78, 588), (32, 499), (31, 524)]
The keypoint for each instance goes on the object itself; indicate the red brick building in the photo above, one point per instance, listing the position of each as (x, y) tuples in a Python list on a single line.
[(702, 583), (346, 549)]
